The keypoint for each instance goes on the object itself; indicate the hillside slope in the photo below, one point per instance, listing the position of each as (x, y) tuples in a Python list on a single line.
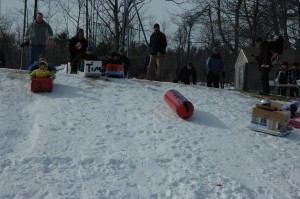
[(119, 139)]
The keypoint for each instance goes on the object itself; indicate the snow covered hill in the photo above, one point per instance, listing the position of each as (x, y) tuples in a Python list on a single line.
[(94, 139)]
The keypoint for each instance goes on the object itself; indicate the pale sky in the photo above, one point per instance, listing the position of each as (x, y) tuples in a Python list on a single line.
[(160, 9), (156, 7)]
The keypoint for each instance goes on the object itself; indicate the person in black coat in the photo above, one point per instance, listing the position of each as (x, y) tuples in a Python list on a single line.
[(2, 59), (294, 75), (281, 77), (264, 63), (77, 46), (157, 51), (125, 60), (186, 74)]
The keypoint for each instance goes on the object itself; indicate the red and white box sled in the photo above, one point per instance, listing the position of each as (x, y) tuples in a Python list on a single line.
[(90, 68)]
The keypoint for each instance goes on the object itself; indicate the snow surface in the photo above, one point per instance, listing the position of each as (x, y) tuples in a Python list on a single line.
[(94, 139)]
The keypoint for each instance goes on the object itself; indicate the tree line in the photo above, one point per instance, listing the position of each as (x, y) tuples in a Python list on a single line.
[(201, 25)]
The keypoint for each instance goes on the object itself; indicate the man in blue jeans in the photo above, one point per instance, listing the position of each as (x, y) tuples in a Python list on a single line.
[(37, 36)]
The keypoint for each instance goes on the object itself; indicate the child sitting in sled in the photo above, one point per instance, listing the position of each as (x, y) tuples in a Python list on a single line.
[(293, 108), (42, 71), (34, 66)]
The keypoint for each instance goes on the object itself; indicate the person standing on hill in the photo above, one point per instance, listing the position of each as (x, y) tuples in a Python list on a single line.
[(2, 59), (281, 77), (125, 60), (294, 75), (37, 36), (264, 64), (214, 67), (157, 51), (77, 46)]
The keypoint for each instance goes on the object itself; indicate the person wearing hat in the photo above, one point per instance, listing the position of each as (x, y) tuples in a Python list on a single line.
[(37, 36), (124, 59), (42, 71), (77, 46), (264, 63), (215, 68), (51, 66), (88, 54), (157, 51), (186, 74), (281, 77)]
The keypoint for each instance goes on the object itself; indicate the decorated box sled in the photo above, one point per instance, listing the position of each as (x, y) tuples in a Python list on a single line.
[(114, 70), (41, 84), (90, 68), (179, 104), (268, 119)]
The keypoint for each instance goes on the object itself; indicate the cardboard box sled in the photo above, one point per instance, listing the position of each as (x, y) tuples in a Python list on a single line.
[(41, 84), (271, 119), (90, 68), (114, 70)]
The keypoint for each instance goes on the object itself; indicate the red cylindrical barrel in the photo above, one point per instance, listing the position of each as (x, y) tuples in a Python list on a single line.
[(183, 108)]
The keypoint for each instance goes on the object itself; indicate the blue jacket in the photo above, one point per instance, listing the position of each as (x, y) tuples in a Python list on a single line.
[(34, 66), (215, 65)]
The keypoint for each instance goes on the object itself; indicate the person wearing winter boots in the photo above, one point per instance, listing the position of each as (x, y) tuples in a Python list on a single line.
[(2, 59), (264, 64), (38, 35), (214, 67), (294, 75), (281, 77), (42, 71), (157, 51), (124, 59), (77, 46)]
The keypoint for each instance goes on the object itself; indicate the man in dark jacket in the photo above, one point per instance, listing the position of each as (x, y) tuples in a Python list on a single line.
[(214, 67), (2, 59), (124, 59), (294, 76), (185, 74), (77, 46), (281, 77), (264, 63), (157, 51)]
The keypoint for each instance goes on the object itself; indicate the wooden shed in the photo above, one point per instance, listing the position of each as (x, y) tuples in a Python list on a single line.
[(247, 75)]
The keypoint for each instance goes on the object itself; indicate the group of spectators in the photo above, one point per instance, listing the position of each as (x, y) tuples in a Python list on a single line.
[(39, 34), (287, 75)]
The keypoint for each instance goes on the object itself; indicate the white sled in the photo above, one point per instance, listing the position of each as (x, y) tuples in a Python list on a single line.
[(263, 129)]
